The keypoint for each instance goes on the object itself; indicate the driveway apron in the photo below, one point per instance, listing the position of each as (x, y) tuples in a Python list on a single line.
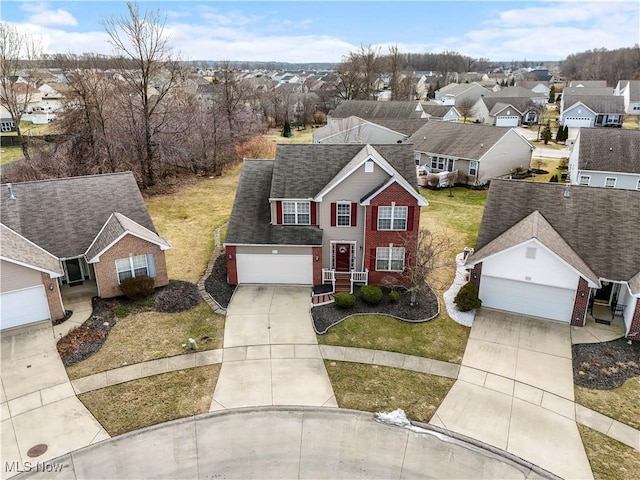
[(271, 355), (515, 391), (39, 406)]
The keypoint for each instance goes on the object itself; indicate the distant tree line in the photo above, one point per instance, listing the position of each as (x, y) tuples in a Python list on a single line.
[(603, 64)]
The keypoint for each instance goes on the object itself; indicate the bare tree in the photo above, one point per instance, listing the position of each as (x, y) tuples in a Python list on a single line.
[(465, 107), (232, 92), (427, 252), (155, 74), (18, 51)]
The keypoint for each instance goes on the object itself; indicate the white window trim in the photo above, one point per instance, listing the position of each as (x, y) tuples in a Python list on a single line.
[(338, 215), (131, 267), (393, 218), (296, 213), (389, 251), (606, 179), (587, 177), (475, 169)]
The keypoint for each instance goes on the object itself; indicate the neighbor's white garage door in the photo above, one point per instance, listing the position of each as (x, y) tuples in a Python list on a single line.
[(577, 122), (527, 298), (25, 306), (269, 268), (506, 121)]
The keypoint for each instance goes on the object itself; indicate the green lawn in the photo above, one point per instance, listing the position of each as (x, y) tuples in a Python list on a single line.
[(609, 459), (149, 335), (10, 154), (152, 400), (373, 388), (622, 403)]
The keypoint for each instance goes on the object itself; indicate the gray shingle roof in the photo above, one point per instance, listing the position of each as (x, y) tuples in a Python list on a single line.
[(372, 109), (521, 103), (597, 103), (251, 214), (117, 225), (460, 140), (406, 126), (436, 110), (516, 92), (302, 171), (609, 150), (18, 249), (601, 225), (64, 215), (588, 91)]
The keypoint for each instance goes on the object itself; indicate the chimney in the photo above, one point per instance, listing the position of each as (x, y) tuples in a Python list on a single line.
[(11, 195)]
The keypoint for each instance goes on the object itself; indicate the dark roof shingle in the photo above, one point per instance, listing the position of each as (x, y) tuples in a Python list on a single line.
[(609, 150)]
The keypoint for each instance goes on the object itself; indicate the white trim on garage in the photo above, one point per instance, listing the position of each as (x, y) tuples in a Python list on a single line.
[(507, 121), (527, 298), (274, 268), (23, 307)]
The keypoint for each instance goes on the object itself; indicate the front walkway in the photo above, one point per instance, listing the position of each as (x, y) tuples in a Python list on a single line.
[(515, 391), (271, 355)]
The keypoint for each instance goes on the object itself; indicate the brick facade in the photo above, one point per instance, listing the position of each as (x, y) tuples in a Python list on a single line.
[(56, 309), (317, 265), (475, 275), (383, 238), (129, 246), (634, 330), (580, 304), (232, 269)]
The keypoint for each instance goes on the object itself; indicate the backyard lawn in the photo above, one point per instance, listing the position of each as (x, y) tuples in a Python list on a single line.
[(10, 154)]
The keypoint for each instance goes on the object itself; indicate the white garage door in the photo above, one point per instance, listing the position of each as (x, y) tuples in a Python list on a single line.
[(506, 121), (22, 307), (269, 268), (527, 298), (577, 122)]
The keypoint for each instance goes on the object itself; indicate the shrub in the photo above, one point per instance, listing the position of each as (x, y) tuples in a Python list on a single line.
[(345, 300), (178, 296), (394, 296), (467, 298), (554, 178), (137, 287), (371, 294)]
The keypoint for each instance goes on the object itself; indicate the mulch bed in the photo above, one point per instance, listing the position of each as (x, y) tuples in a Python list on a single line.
[(216, 284), (85, 340), (426, 308), (607, 365)]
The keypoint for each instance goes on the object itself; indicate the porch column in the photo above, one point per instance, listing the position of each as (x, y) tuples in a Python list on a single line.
[(54, 299), (317, 265), (580, 304), (232, 269)]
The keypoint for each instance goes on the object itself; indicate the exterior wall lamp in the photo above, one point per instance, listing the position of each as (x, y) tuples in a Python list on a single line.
[(230, 256)]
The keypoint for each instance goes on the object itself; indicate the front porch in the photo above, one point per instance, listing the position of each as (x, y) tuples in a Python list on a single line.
[(603, 324), (344, 281)]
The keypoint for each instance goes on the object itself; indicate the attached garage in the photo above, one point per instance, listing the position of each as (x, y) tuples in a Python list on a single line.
[(275, 268), (507, 121), (578, 122), (527, 298), (25, 306)]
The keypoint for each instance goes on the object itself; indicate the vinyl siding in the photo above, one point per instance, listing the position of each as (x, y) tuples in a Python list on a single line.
[(15, 277)]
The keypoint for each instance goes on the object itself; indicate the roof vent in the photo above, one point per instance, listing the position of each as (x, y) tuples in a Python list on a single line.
[(566, 192), (11, 195), (611, 149)]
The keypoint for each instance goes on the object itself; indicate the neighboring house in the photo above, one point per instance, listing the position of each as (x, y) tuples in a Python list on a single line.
[(629, 90), (550, 250), (63, 232), (358, 130), (436, 111), (520, 93), (479, 153), (374, 110), (318, 213), (6, 121), (536, 87), (506, 111), (591, 111), (455, 93), (603, 158), (587, 84)]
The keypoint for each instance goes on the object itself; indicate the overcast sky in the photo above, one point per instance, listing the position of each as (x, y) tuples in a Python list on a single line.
[(311, 31)]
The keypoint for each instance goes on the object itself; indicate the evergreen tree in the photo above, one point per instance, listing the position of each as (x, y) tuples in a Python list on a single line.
[(286, 131), (546, 134), (512, 83), (552, 94), (565, 134)]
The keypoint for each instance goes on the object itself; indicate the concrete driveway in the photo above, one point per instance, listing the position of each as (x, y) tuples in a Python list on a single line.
[(39, 406), (286, 443), (271, 355), (515, 391)]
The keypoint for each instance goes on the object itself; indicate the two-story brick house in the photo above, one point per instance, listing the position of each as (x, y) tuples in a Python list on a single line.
[(318, 212)]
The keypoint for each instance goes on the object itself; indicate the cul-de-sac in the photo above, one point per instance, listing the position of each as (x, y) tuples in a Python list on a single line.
[(309, 240)]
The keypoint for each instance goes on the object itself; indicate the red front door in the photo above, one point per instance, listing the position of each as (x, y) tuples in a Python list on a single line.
[(343, 257)]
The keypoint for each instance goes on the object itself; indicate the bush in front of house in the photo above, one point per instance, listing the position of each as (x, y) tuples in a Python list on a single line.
[(345, 300), (467, 298), (371, 294), (394, 296), (137, 287), (178, 296)]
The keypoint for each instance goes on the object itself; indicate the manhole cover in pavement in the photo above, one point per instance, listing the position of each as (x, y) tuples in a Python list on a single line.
[(37, 450)]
